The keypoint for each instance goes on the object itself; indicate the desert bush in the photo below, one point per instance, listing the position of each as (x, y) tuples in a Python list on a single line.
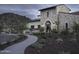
[(42, 41), (76, 27), (41, 29), (76, 30), (64, 32), (1, 29), (37, 45), (54, 31)]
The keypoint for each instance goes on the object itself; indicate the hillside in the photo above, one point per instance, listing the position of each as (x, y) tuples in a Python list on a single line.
[(11, 22)]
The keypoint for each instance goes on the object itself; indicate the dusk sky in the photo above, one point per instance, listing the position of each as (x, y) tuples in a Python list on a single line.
[(30, 10)]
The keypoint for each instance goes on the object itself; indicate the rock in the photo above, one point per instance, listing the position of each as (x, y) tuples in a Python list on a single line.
[(59, 40)]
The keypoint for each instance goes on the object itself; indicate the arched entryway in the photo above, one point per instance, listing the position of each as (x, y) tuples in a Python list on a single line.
[(48, 26)]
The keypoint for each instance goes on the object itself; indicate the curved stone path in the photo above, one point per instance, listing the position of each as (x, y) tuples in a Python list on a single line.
[(20, 47)]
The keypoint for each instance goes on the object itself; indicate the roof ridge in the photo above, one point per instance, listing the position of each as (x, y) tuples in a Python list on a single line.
[(51, 7)]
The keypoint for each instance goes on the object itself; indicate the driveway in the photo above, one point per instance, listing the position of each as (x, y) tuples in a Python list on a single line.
[(20, 47)]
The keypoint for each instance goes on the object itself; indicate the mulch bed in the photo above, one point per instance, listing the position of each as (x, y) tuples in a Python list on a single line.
[(52, 47)]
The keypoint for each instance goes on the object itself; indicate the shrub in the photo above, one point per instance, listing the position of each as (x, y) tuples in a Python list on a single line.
[(65, 32), (41, 29), (42, 41), (76, 27), (1, 28), (37, 45), (54, 31)]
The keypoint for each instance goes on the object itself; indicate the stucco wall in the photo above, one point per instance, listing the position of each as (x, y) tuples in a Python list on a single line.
[(33, 23)]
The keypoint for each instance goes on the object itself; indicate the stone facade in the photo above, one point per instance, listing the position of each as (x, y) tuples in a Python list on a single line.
[(52, 17), (67, 18), (57, 14)]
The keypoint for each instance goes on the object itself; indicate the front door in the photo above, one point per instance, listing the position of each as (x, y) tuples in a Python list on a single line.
[(48, 26)]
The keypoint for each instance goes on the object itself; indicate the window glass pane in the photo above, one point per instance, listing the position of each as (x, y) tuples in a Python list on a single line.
[(47, 14), (32, 26), (38, 26)]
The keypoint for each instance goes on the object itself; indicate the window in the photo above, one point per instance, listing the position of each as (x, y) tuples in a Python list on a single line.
[(47, 14), (39, 26), (32, 26), (48, 23), (66, 24)]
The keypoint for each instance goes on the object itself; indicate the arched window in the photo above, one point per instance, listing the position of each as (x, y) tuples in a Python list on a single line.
[(47, 14), (48, 23), (66, 26)]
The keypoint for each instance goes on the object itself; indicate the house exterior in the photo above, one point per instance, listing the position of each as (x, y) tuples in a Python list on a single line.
[(34, 24), (56, 17)]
